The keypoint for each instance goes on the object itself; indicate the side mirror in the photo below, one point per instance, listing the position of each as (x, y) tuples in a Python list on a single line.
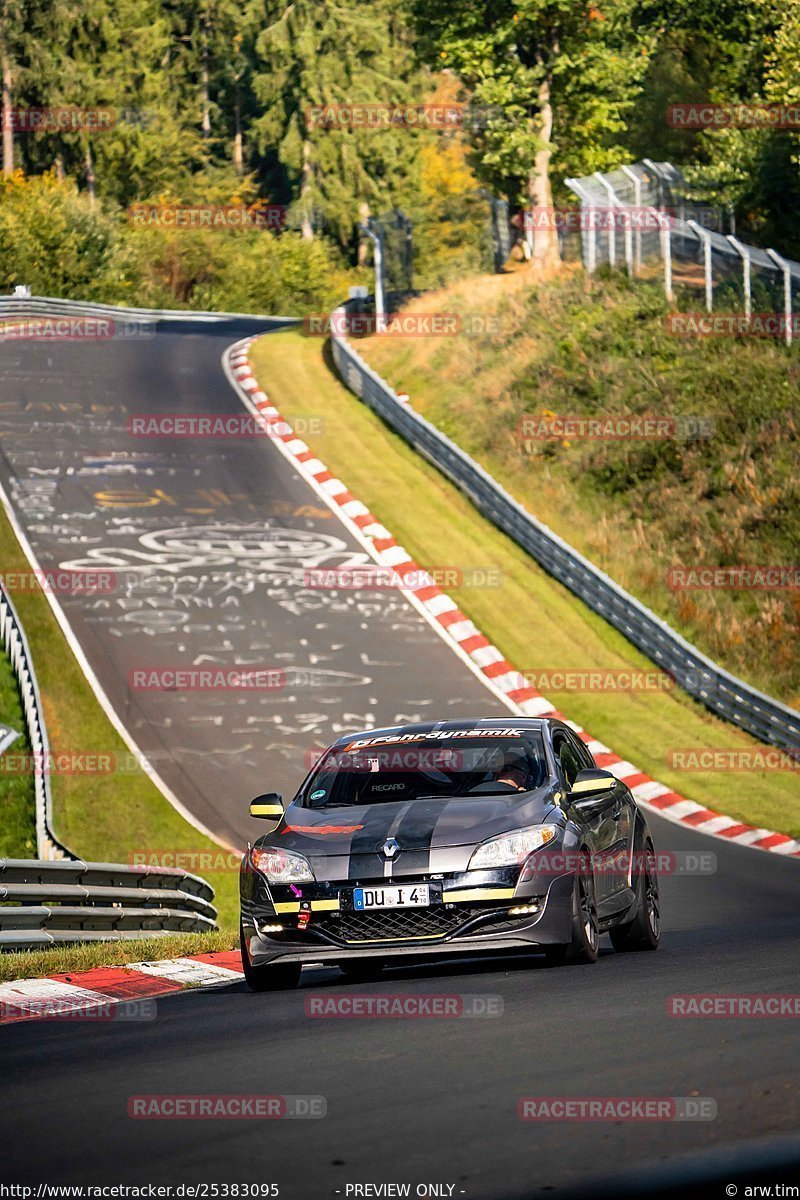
[(592, 782), (270, 806)]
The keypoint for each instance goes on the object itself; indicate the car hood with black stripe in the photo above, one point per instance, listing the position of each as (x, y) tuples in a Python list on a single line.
[(434, 834)]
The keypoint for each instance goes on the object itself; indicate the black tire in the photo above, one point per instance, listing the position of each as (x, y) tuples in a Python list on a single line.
[(361, 968), (269, 978), (644, 931), (583, 947)]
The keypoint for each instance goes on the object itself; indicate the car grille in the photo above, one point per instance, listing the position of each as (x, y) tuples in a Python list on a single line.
[(383, 925)]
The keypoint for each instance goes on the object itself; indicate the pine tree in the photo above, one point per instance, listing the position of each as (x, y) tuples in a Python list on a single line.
[(109, 56), (25, 26), (319, 53)]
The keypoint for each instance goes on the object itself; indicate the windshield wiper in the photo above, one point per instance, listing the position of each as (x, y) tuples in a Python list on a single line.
[(336, 804)]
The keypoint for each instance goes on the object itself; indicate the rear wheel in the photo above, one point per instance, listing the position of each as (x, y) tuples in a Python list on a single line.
[(583, 946), (361, 968), (268, 978), (644, 931)]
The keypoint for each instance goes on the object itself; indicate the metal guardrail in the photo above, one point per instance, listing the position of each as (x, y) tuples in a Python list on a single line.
[(43, 306), (52, 903), (123, 322), (58, 898), (16, 646), (731, 698), (724, 694)]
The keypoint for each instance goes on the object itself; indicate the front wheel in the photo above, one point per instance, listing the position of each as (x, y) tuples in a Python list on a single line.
[(583, 946), (268, 978), (644, 931)]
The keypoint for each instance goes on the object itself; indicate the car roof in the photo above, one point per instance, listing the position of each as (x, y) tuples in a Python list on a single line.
[(532, 724)]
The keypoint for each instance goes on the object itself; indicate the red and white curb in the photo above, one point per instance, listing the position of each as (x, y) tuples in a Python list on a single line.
[(484, 659), (105, 992)]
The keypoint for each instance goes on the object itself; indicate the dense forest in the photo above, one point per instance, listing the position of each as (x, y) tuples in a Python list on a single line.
[(327, 111)]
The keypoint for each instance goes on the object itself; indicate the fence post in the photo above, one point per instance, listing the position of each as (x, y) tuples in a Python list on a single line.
[(744, 254), (588, 236), (666, 254), (498, 222), (617, 205), (648, 162), (406, 225), (612, 237), (591, 258), (380, 309), (637, 199), (502, 239), (705, 238), (786, 270), (628, 234)]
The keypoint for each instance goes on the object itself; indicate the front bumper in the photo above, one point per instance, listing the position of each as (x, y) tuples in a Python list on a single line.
[(461, 920)]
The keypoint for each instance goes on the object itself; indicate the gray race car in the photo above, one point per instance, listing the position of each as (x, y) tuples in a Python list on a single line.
[(444, 838)]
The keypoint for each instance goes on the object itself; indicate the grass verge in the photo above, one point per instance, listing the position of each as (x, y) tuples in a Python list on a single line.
[(103, 817), (534, 621), (17, 795), (62, 960), (603, 348)]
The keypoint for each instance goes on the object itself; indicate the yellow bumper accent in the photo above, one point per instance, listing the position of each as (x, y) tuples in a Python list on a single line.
[(478, 894), (293, 906)]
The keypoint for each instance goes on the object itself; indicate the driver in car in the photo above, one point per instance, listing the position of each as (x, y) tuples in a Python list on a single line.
[(514, 771)]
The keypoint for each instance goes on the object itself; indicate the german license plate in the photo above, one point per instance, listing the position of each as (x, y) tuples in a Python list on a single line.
[(391, 897)]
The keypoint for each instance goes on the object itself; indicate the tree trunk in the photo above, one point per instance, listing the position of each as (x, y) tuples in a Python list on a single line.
[(544, 235), (8, 113), (205, 122), (238, 154), (205, 85), (89, 173), (363, 243), (306, 227)]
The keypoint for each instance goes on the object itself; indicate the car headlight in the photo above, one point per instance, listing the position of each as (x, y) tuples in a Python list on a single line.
[(282, 866), (511, 849)]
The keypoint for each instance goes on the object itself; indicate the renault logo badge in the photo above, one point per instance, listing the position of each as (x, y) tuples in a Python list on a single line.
[(390, 847)]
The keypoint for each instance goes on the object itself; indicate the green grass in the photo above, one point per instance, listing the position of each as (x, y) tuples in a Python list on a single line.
[(531, 618), (61, 960), (102, 817), (17, 798), (577, 347)]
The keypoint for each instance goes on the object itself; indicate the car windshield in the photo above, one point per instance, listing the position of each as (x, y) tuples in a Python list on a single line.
[(407, 766)]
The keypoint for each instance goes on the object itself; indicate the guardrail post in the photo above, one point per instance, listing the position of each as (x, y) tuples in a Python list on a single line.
[(786, 270), (744, 254), (705, 238)]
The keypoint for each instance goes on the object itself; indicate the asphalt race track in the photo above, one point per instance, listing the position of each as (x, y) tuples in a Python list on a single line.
[(208, 541), (435, 1100), (417, 1101)]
